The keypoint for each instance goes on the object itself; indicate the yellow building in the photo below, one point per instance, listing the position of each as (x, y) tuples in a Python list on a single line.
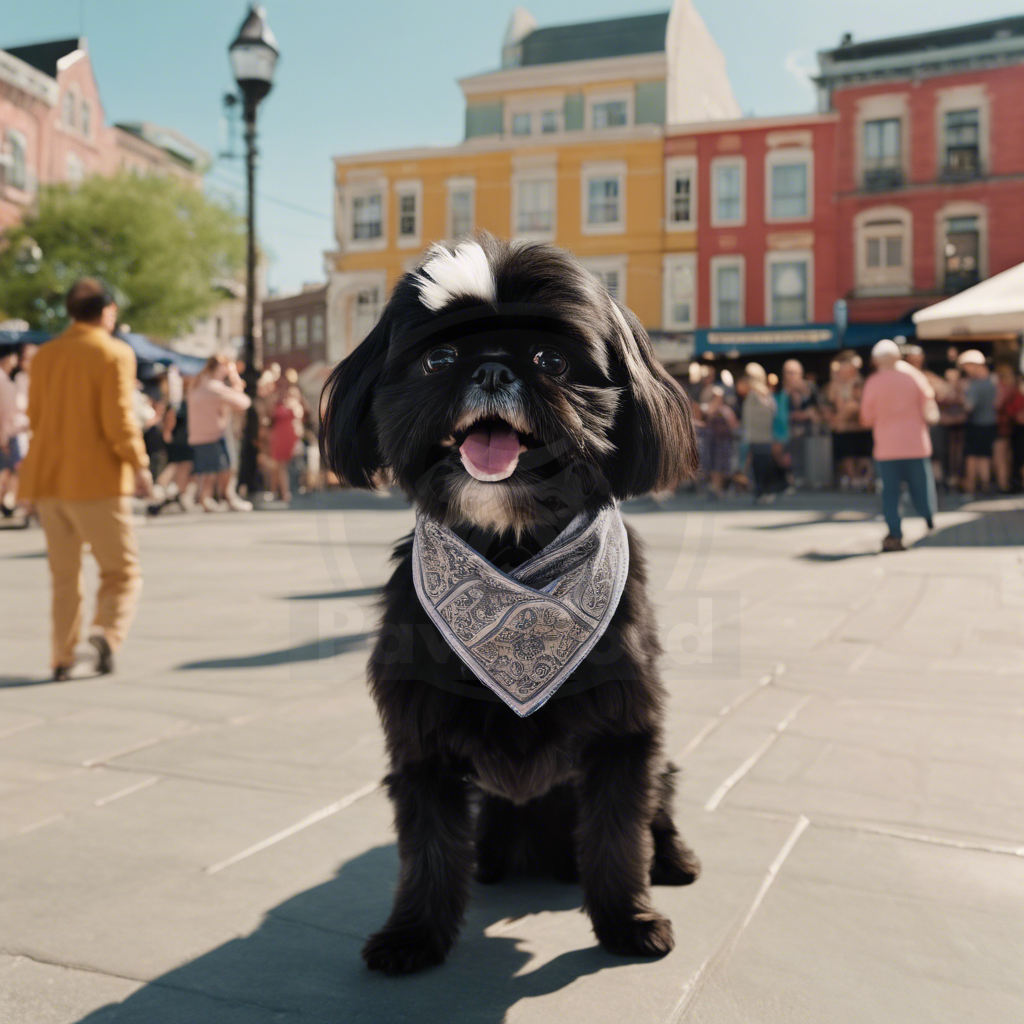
[(563, 143)]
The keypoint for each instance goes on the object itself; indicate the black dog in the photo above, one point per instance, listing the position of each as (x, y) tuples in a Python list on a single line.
[(518, 343)]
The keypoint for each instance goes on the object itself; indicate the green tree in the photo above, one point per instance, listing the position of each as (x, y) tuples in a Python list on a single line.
[(159, 243)]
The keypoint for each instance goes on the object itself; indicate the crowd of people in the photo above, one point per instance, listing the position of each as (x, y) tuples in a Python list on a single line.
[(192, 429), (761, 435)]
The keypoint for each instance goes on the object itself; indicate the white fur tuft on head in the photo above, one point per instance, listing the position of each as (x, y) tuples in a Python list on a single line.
[(446, 276)]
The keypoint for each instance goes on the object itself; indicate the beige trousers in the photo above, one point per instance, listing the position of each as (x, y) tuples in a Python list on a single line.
[(106, 526)]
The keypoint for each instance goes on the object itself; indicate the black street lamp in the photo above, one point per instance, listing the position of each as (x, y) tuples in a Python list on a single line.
[(253, 57)]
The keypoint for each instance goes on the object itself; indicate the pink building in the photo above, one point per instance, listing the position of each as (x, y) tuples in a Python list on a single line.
[(52, 128)]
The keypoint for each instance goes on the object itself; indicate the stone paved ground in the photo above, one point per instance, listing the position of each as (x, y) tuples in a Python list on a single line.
[(202, 839)]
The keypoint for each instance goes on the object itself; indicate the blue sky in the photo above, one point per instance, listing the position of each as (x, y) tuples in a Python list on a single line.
[(370, 75)]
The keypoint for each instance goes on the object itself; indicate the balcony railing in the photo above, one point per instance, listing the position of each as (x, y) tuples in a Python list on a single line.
[(877, 178), (961, 166)]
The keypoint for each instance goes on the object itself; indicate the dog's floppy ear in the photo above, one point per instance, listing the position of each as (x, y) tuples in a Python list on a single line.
[(348, 430), (656, 447)]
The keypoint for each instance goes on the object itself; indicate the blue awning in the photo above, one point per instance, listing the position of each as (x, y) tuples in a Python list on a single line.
[(865, 335), (746, 341), (146, 351)]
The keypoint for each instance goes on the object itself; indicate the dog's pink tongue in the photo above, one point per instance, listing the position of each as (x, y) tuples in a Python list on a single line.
[(490, 454)]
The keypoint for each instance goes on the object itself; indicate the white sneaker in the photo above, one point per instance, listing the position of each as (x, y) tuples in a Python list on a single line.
[(237, 504), (212, 505)]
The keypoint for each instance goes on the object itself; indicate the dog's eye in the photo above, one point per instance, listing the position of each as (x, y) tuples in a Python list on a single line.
[(550, 361), (439, 358)]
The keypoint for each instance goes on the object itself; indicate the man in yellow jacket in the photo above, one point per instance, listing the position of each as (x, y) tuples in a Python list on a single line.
[(85, 461)]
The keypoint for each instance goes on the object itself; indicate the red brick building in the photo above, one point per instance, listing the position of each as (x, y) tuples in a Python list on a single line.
[(930, 163), (907, 186), (295, 328), (762, 191)]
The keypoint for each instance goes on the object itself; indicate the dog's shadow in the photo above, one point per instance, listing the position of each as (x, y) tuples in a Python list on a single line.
[(304, 960)]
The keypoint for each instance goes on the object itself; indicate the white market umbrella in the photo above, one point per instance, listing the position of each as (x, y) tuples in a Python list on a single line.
[(994, 306)]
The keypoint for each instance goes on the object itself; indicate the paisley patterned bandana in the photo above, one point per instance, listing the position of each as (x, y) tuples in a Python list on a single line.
[(523, 633)]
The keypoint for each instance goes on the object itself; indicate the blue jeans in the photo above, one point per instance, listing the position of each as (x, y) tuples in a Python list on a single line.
[(918, 476)]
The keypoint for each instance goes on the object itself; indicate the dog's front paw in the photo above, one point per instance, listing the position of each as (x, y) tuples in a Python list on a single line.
[(680, 866), (647, 934), (403, 950)]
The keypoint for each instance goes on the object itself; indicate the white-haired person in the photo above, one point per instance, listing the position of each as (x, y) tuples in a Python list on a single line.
[(982, 421), (899, 405)]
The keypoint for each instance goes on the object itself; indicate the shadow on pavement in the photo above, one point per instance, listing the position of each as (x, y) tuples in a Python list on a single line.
[(313, 650), (303, 962), (9, 682), (328, 595), (836, 556), (990, 529)]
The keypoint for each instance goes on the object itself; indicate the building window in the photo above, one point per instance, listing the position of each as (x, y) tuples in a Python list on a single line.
[(461, 200), (680, 292), (301, 332), (366, 313), (681, 194), (883, 154), (521, 124), (409, 201), (318, 328), (15, 172), (86, 119), (407, 215), (270, 334), (74, 169), (788, 290), (728, 185), (535, 206), (285, 336), (367, 217), (727, 291), (611, 272), (962, 139), (69, 109), (789, 186), (549, 121), (604, 198), (961, 253), (609, 114)]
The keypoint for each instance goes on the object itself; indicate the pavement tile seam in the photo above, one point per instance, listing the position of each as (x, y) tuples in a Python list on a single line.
[(213, 780), (746, 766), (299, 826), (729, 709), (908, 830), (852, 744), (722, 952)]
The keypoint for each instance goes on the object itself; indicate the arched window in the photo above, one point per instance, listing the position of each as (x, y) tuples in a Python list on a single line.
[(883, 240), (15, 173), (70, 109), (86, 119)]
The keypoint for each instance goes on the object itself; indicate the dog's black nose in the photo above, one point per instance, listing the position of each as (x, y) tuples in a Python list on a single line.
[(492, 376)]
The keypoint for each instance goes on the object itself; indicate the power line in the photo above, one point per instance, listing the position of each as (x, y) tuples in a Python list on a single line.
[(238, 186)]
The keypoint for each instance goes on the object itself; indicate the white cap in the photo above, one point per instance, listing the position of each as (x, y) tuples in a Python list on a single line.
[(885, 349), (972, 355)]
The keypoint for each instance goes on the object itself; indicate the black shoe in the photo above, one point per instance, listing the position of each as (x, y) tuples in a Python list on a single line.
[(892, 543), (62, 673), (930, 524), (104, 655)]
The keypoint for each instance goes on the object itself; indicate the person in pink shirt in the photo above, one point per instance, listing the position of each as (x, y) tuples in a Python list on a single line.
[(215, 395), (898, 405)]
